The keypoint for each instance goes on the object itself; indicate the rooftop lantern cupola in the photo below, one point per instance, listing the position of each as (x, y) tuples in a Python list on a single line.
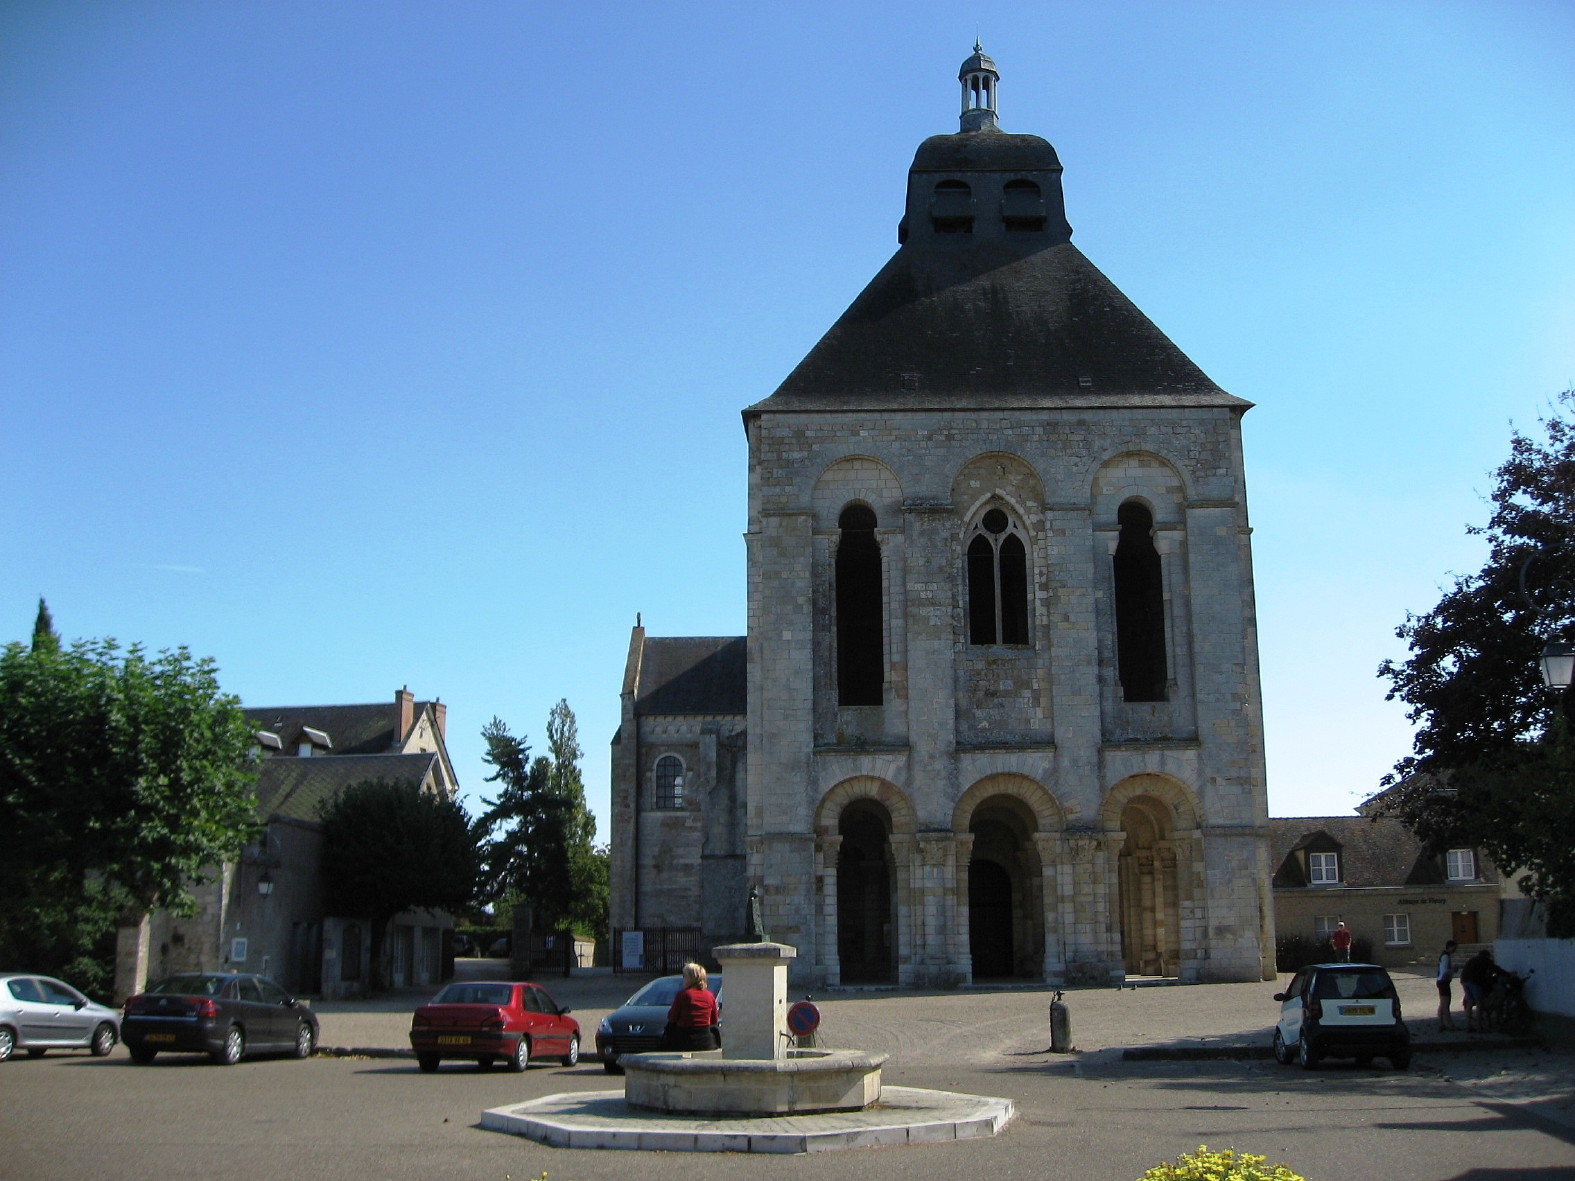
[(979, 78)]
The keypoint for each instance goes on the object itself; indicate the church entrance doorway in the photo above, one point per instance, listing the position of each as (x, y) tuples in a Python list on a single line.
[(866, 918), (990, 919), (1149, 902), (1006, 933)]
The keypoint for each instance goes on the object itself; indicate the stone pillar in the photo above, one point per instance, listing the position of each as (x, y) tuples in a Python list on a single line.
[(830, 851), (1049, 847), (756, 988), (964, 954), (132, 943)]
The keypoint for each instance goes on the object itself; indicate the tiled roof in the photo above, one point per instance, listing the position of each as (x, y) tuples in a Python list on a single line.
[(692, 675), (353, 729), (1373, 851), (294, 787)]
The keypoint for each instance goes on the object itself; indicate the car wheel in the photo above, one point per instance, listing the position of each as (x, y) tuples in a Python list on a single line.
[(485, 1062), (305, 1041), (234, 1046), (612, 1067), (7, 1042), (104, 1040), (427, 1062), (1282, 1052), (141, 1055), (36, 1052), (520, 1059), (572, 1058), (1305, 1054), (1401, 1059)]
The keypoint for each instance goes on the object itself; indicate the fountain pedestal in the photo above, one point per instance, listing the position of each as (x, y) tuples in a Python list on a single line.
[(756, 1072)]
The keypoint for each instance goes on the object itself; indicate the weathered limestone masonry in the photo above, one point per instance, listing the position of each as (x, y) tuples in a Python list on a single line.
[(1003, 715)]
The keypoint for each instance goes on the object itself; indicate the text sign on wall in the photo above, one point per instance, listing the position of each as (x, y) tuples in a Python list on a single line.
[(634, 949)]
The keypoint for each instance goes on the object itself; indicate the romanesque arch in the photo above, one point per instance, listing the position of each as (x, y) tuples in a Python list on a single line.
[(1000, 822), (1153, 819), (856, 822)]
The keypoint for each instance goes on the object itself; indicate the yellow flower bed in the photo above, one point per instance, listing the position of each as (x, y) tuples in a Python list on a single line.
[(1229, 1165)]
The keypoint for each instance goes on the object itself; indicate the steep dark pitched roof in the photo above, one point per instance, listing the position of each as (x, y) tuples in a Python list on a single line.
[(990, 325), (1373, 851), (353, 729), (692, 675), (293, 787)]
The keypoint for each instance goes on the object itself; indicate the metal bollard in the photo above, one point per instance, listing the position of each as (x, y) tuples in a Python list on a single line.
[(1060, 1026)]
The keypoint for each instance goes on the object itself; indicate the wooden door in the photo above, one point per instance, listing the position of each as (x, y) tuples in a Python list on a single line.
[(1463, 926)]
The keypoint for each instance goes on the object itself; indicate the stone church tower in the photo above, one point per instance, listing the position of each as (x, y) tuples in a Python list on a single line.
[(1002, 712)]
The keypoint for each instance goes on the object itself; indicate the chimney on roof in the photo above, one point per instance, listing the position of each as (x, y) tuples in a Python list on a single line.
[(404, 714), (440, 716)]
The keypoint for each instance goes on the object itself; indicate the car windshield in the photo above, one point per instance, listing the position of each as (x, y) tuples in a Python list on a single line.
[(191, 985), (1354, 986), (662, 991), (474, 994)]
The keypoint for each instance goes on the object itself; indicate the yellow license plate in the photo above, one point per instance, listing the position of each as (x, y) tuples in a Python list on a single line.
[(454, 1039), (161, 1037), (1357, 1010)]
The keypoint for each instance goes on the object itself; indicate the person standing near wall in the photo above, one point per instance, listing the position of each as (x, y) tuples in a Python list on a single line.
[(1340, 940), (1446, 973)]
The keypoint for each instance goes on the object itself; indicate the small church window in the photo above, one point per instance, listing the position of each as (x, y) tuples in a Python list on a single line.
[(951, 208), (669, 782), (997, 582), (860, 620), (1140, 607)]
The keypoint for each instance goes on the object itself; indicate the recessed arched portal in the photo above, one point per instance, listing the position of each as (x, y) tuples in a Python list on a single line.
[(1149, 900), (1005, 891), (866, 916)]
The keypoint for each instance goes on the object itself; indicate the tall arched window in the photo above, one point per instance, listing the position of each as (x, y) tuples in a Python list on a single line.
[(669, 782), (1140, 607), (860, 647), (997, 582)]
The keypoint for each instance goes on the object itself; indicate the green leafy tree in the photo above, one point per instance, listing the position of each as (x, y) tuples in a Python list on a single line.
[(124, 778), (542, 836), (1491, 761), (389, 847)]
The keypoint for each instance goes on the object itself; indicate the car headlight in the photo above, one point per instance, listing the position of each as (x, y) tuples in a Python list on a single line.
[(605, 1027)]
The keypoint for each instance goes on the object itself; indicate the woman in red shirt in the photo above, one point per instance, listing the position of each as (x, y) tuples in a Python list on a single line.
[(692, 1018)]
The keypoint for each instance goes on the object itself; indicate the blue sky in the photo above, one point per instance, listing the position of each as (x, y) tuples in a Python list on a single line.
[(359, 345)]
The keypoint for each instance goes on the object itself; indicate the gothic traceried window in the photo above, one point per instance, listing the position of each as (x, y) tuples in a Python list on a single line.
[(997, 581), (669, 782), (1140, 607), (861, 670)]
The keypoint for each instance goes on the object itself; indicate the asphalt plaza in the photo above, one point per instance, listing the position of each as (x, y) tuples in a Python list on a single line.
[(1479, 1115)]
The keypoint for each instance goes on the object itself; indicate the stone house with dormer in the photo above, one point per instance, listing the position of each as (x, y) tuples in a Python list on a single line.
[(264, 912)]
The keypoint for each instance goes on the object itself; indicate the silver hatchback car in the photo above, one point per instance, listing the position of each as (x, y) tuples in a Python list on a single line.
[(40, 1013)]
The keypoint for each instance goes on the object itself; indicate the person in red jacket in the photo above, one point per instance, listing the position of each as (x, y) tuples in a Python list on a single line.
[(1340, 938), (692, 1017)]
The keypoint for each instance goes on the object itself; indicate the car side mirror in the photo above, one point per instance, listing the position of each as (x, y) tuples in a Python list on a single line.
[(564, 1012), (78, 1004), (1279, 996)]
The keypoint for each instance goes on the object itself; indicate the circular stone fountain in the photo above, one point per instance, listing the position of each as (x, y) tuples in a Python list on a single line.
[(756, 1094), (756, 1072)]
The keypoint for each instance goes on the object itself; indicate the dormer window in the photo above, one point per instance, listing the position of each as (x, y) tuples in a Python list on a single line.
[(311, 742), (1022, 207), (1323, 869), (951, 208), (1460, 865)]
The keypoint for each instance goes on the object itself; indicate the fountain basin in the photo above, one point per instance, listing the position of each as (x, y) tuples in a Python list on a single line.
[(705, 1083)]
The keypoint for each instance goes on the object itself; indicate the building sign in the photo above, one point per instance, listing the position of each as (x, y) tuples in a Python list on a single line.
[(1421, 901), (238, 951), (634, 949)]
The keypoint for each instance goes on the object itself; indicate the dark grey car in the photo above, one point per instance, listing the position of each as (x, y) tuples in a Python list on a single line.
[(223, 1016), (636, 1028), (40, 1013)]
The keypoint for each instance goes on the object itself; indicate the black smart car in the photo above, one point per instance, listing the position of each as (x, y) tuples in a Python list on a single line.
[(223, 1016)]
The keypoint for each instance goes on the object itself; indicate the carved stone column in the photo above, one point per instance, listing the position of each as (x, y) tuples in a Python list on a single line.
[(1051, 848), (827, 851), (962, 956)]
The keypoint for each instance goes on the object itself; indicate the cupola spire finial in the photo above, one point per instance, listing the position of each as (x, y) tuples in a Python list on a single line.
[(979, 78)]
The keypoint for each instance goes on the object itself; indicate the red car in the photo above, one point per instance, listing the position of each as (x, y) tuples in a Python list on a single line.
[(484, 1020)]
